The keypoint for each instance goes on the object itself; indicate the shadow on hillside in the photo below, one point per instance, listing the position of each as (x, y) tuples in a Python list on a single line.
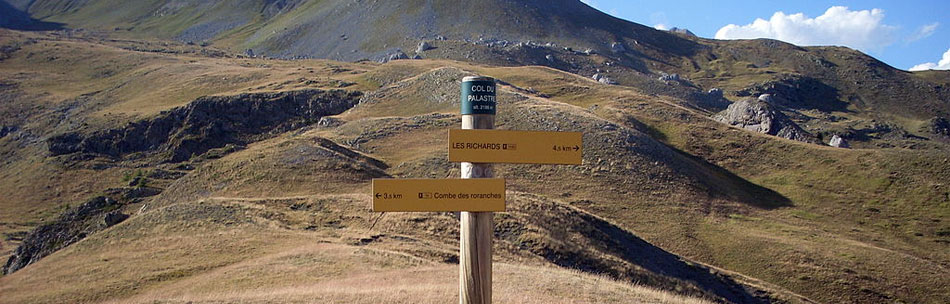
[(637, 251), (727, 185), (600, 247), (13, 18), (721, 182)]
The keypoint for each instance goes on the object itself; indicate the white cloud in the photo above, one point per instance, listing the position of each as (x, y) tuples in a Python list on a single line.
[(863, 30), (659, 18), (661, 27), (943, 64), (923, 32)]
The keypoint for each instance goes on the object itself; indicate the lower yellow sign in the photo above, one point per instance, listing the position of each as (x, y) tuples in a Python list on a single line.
[(522, 147), (473, 195)]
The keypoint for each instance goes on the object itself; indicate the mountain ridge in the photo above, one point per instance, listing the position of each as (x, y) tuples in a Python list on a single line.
[(565, 34), (867, 224)]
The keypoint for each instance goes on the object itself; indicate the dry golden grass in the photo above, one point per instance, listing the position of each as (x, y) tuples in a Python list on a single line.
[(512, 284), (140, 84), (859, 224), (121, 86), (232, 251), (874, 212), (35, 192)]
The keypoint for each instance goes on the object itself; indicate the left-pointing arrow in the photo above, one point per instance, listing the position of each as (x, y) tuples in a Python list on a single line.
[(378, 195)]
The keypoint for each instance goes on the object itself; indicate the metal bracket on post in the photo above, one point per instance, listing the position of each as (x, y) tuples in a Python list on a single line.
[(475, 240)]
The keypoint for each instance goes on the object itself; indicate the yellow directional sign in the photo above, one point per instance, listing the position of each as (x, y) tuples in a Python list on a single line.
[(523, 147), (473, 195)]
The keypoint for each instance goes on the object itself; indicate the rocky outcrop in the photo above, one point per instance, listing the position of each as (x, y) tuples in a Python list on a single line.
[(74, 225), (669, 77), (682, 31), (712, 100), (394, 55), (838, 142), (4, 130), (882, 130), (798, 92), (423, 46), (617, 47), (603, 79), (939, 126), (757, 115), (115, 217), (330, 122), (209, 123)]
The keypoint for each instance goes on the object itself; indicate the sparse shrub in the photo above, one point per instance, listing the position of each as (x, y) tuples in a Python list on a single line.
[(138, 179)]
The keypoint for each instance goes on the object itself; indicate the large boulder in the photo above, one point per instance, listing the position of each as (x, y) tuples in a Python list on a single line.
[(603, 79), (757, 115), (423, 46), (838, 142)]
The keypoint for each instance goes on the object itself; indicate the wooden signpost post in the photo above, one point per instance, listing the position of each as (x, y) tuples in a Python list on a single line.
[(477, 194)]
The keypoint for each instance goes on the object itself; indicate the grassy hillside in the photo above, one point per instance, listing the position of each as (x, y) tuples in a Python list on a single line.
[(665, 197), (853, 201), (238, 250), (288, 27), (827, 90), (52, 84)]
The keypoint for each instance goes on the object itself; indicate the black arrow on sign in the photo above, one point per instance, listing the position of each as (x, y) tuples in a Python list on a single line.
[(378, 195), (576, 148)]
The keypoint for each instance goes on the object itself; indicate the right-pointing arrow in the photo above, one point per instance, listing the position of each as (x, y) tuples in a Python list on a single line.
[(576, 148)]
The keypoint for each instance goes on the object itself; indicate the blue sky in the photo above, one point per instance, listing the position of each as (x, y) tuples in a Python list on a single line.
[(903, 34)]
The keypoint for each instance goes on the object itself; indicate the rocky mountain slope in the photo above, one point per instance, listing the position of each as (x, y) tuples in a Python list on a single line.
[(660, 179), (828, 91), (229, 164)]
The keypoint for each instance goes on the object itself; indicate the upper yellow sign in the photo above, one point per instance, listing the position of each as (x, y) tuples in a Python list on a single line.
[(521, 147), (474, 195)]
